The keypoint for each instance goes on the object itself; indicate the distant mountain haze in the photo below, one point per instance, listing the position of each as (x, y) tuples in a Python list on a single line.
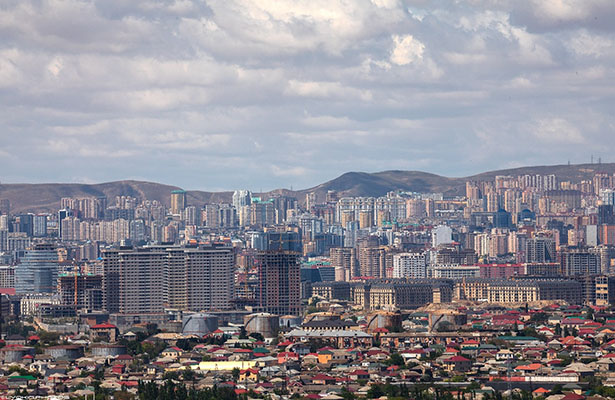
[(45, 197)]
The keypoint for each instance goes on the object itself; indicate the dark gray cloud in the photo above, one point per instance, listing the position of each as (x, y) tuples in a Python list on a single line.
[(223, 94)]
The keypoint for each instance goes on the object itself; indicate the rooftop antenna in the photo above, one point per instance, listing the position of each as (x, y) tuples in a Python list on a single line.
[(592, 158)]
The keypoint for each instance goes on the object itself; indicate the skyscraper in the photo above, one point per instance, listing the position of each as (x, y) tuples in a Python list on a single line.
[(145, 280), (5, 206), (200, 279), (133, 280), (40, 225), (372, 261), (241, 198), (540, 250), (580, 262), (409, 265), (178, 201), (344, 262), (64, 213), (279, 282), (38, 270)]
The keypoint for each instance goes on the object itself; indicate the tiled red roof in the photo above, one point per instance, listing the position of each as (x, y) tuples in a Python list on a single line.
[(103, 326), (457, 359), (322, 377)]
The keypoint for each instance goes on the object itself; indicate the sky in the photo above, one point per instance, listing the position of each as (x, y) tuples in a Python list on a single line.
[(264, 94)]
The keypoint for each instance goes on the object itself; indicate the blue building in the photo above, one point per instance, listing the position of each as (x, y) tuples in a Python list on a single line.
[(38, 270)]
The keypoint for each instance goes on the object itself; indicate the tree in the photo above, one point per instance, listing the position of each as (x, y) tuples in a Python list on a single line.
[(347, 394), (152, 329), (242, 333), (396, 359), (539, 317), (188, 374), (257, 336), (375, 392), (235, 373)]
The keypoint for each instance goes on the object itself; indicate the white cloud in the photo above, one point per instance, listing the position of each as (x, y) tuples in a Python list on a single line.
[(289, 171), (320, 86), (407, 50), (556, 131)]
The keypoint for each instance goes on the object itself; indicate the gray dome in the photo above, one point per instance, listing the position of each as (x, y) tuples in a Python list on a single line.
[(199, 324)]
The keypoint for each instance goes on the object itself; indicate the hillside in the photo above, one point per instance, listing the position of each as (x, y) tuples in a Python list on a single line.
[(46, 197), (379, 183)]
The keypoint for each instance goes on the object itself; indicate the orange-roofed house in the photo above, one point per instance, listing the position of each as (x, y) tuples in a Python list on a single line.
[(322, 379), (286, 356), (540, 392), (529, 368)]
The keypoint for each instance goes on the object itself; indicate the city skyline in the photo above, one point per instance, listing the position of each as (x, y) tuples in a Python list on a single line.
[(273, 94)]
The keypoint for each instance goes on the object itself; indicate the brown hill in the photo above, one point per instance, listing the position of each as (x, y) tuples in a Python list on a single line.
[(379, 183), (46, 197)]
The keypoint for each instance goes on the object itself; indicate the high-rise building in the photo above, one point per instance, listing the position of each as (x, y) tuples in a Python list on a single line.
[(137, 230), (40, 225), (5, 206), (344, 262), (64, 213), (24, 223), (372, 261), (366, 219), (4, 240), (145, 280), (606, 256), (227, 216), (261, 213), (190, 215), (540, 250), (200, 279), (4, 221), (282, 205), (409, 265), (83, 291), (441, 234), (310, 200), (608, 197), (7, 276), (38, 270), (212, 215), (279, 282), (346, 217), (272, 240), (580, 262), (178, 201), (133, 280), (241, 198)]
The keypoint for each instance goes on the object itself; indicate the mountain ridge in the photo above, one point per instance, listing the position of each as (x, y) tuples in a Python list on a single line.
[(45, 197)]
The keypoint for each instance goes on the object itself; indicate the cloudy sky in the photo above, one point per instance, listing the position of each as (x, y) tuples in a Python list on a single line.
[(260, 94)]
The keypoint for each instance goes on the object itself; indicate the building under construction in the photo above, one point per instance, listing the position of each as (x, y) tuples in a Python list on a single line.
[(83, 291)]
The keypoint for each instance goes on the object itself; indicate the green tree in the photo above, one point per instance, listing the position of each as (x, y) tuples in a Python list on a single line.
[(395, 359), (375, 391), (257, 336)]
